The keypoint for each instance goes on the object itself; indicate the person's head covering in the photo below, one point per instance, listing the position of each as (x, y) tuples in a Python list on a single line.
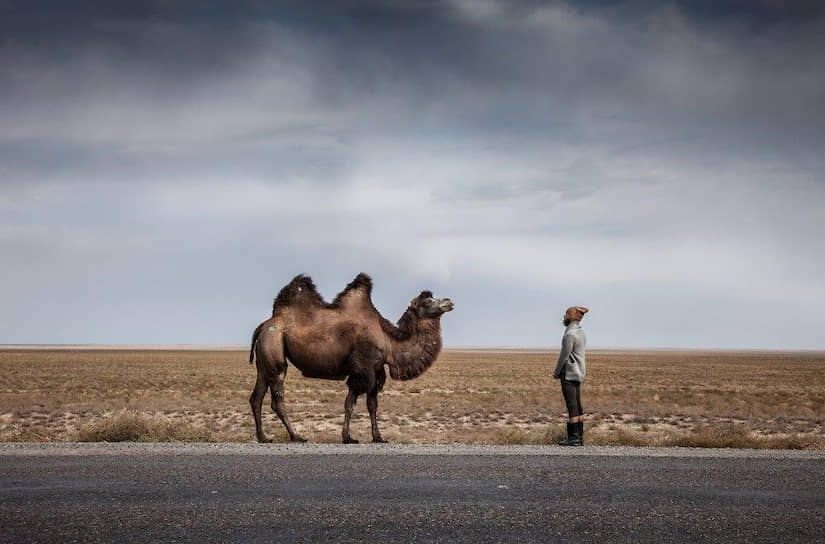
[(575, 313)]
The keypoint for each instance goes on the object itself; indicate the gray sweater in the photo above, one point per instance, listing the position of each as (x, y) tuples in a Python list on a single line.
[(571, 358)]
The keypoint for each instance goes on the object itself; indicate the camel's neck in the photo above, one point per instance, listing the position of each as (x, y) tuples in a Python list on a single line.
[(418, 351)]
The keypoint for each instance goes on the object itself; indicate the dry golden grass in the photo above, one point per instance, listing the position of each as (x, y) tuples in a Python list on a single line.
[(709, 399), (134, 427)]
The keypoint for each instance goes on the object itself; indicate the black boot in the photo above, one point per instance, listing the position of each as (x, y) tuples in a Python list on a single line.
[(574, 435)]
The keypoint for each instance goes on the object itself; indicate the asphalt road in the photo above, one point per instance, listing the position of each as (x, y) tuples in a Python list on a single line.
[(332, 493)]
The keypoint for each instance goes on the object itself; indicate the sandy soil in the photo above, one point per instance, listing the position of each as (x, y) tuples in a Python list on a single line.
[(469, 396)]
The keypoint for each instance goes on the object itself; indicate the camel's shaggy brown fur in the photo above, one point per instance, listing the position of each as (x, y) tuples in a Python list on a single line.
[(347, 338)]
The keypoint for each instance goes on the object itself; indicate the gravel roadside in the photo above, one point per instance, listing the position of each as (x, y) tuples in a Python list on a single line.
[(152, 448)]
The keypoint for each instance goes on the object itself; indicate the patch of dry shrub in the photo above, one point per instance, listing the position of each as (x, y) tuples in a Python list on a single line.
[(730, 436), (724, 436), (135, 427), (519, 436), (18, 433), (616, 437)]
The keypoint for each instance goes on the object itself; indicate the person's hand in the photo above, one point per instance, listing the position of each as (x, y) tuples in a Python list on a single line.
[(556, 375)]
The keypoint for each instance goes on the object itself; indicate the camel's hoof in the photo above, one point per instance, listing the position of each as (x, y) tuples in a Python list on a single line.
[(349, 440), (265, 440), (298, 438), (379, 440)]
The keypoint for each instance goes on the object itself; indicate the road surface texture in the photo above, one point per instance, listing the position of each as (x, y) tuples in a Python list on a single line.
[(377, 493)]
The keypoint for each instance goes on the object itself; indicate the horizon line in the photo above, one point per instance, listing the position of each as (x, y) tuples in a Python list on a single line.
[(503, 348)]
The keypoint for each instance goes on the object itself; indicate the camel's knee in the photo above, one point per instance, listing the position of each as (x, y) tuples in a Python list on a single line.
[(276, 389), (277, 401), (350, 401)]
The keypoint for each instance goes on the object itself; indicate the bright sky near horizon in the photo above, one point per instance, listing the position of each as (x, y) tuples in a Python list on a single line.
[(165, 168)]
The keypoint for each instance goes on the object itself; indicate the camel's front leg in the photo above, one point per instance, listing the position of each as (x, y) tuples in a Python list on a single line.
[(352, 396), (372, 406)]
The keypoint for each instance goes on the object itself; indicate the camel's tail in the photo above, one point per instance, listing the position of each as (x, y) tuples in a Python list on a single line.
[(254, 341)]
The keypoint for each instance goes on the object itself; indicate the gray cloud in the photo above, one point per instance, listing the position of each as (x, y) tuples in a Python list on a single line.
[(161, 162)]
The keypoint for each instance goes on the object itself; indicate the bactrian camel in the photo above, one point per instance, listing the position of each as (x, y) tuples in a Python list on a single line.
[(346, 338)]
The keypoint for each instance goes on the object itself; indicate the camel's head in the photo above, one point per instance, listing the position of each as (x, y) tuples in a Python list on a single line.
[(425, 305)]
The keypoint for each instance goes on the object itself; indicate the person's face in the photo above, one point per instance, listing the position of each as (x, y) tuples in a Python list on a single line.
[(565, 320)]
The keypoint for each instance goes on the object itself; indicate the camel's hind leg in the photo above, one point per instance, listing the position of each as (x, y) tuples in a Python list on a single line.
[(271, 362), (256, 400)]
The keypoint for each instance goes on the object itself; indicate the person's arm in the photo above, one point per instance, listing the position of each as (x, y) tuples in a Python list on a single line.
[(566, 348)]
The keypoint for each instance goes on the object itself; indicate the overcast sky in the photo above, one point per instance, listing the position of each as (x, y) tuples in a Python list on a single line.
[(166, 168)]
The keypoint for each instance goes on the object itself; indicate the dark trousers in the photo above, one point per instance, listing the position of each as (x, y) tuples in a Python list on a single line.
[(572, 397)]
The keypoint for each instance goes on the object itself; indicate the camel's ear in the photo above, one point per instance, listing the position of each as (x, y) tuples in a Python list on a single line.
[(414, 303)]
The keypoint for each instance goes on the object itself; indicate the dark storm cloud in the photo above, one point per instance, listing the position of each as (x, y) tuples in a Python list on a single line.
[(431, 49), (649, 75)]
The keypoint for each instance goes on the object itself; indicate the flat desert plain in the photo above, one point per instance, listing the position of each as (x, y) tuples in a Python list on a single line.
[(654, 397)]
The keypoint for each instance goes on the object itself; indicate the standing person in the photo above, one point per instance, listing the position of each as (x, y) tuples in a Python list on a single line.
[(571, 371)]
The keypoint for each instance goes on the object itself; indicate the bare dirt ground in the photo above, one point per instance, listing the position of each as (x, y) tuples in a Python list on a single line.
[(764, 399)]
